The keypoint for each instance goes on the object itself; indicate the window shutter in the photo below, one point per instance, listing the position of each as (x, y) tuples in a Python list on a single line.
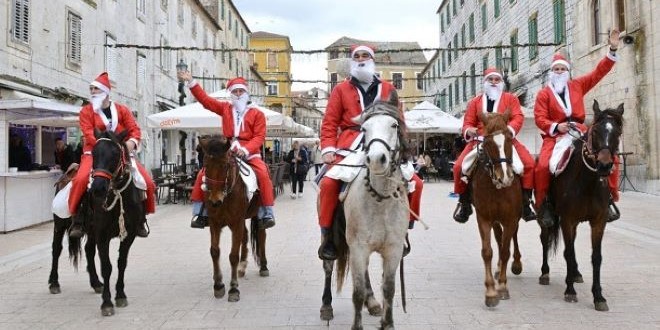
[(75, 39), (111, 57), (141, 72), (21, 23)]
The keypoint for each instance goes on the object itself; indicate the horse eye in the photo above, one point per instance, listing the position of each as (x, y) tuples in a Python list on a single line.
[(395, 125)]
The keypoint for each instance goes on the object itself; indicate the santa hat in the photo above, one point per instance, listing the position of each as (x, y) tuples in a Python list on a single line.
[(102, 82), (238, 82), (362, 48), (492, 72), (558, 58)]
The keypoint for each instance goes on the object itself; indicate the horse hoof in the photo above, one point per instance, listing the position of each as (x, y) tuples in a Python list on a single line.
[(544, 279), (234, 295), (98, 289), (601, 306), (375, 310), (496, 276), (264, 273), (121, 302), (503, 294), (492, 301), (107, 311), (578, 279), (570, 298), (54, 289), (516, 268), (326, 313), (219, 291)]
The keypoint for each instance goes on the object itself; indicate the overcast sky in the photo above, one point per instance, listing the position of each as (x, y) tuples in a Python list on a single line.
[(315, 24)]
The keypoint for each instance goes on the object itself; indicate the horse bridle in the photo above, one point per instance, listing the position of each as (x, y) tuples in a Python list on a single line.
[(588, 154), (489, 161), (226, 186), (117, 176)]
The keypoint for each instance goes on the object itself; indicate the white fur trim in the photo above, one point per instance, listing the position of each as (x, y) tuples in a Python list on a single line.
[(612, 56), (100, 86), (552, 129), (192, 83), (565, 63), (327, 150), (235, 86), (364, 49), (137, 144), (513, 131), (492, 74)]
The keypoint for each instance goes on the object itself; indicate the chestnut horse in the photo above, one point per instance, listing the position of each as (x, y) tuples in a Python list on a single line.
[(580, 193), (497, 199), (228, 205)]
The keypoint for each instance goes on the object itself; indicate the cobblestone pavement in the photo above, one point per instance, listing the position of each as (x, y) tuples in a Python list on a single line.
[(169, 285)]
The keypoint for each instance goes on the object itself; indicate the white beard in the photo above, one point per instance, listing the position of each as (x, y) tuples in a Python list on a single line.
[(559, 81), (493, 91), (240, 102), (363, 71), (97, 100)]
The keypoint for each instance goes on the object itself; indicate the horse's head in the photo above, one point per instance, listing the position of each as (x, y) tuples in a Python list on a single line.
[(603, 137), (497, 148), (382, 125), (217, 161), (110, 161)]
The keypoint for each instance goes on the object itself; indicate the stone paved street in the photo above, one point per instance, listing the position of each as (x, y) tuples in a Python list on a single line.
[(169, 286)]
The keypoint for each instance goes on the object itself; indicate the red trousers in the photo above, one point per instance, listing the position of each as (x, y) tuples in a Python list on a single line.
[(526, 158), (263, 180), (542, 173), (329, 198), (79, 185)]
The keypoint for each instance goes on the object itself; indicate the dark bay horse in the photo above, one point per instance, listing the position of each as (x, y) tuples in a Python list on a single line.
[(112, 207), (60, 229), (497, 199), (228, 206), (580, 193)]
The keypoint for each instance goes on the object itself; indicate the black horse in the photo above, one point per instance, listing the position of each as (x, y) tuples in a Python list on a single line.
[(113, 207), (580, 193)]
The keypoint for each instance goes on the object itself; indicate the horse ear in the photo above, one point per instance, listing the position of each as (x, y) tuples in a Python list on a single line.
[(97, 133), (619, 109), (596, 108), (393, 99)]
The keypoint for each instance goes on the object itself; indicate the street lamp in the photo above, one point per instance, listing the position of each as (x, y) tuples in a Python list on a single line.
[(506, 64), (181, 66)]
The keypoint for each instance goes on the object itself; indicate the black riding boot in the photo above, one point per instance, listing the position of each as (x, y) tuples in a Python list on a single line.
[(613, 212), (546, 216), (199, 221), (77, 230), (464, 208), (528, 211), (143, 228), (327, 250)]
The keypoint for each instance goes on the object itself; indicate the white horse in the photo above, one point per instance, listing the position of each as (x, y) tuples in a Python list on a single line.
[(376, 207)]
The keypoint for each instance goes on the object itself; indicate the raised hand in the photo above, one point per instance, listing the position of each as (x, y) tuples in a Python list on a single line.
[(614, 39)]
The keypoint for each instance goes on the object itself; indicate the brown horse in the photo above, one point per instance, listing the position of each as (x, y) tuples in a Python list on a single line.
[(580, 193), (497, 196), (228, 205)]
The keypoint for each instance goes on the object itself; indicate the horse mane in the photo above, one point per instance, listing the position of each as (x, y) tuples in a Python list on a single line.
[(381, 107), (215, 145), (494, 122), (610, 113)]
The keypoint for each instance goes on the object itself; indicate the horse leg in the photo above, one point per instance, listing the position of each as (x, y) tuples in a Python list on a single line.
[(370, 301), (90, 255), (359, 264), (596, 258), (569, 229), (58, 234), (544, 279), (236, 239), (516, 266), (326, 308), (487, 255), (242, 265), (497, 232), (107, 308), (218, 286), (122, 261), (263, 262), (504, 254), (391, 259)]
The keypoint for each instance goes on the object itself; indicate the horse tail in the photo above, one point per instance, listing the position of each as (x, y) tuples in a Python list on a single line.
[(254, 239), (553, 237), (343, 257), (339, 238), (75, 251)]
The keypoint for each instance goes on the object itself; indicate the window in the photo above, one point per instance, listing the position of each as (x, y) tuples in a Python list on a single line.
[(514, 51), (141, 8), (448, 16), (334, 54), (444, 63), (484, 17), (595, 16), (193, 24), (20, 27), (463, 37), (229, 60), (420, 81), (111, 56), (559, 10), (164, 54), (222, 10), (272, 61), (141, 71), (74, 36), (229, 20), (397, 80), (449, 51), (464, 86), (473, 80), (496, 8), (163, 4), (443, 100), (179, 12), (442, 23), (498, 57), (456, 92), (222, 46), (456, 46), (333, 80), (621, 16), (533, 37), (471, 27), (272, 88), (235, 28), (451, 97), (484, 63), (454, 8)]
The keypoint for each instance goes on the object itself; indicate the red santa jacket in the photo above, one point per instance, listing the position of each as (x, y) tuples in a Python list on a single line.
[(122, 119), (338, 131), (253, 129), (549, 110), (506, 102)]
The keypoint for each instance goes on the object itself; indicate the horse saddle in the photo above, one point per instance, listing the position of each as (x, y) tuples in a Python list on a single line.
[(348, 168), (60, 205), (561, 154)]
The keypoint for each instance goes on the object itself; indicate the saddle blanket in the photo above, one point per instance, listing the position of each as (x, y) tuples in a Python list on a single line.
[(561, 154), (249, 177), (471, 157)]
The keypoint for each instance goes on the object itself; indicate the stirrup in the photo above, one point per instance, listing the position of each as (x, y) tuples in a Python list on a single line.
[(459, 215), (613, 212), (140, 233), (199, 221)]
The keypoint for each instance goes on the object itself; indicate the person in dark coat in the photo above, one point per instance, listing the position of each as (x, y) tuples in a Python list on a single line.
[(19, 154), (64, 155), (298, 160)]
